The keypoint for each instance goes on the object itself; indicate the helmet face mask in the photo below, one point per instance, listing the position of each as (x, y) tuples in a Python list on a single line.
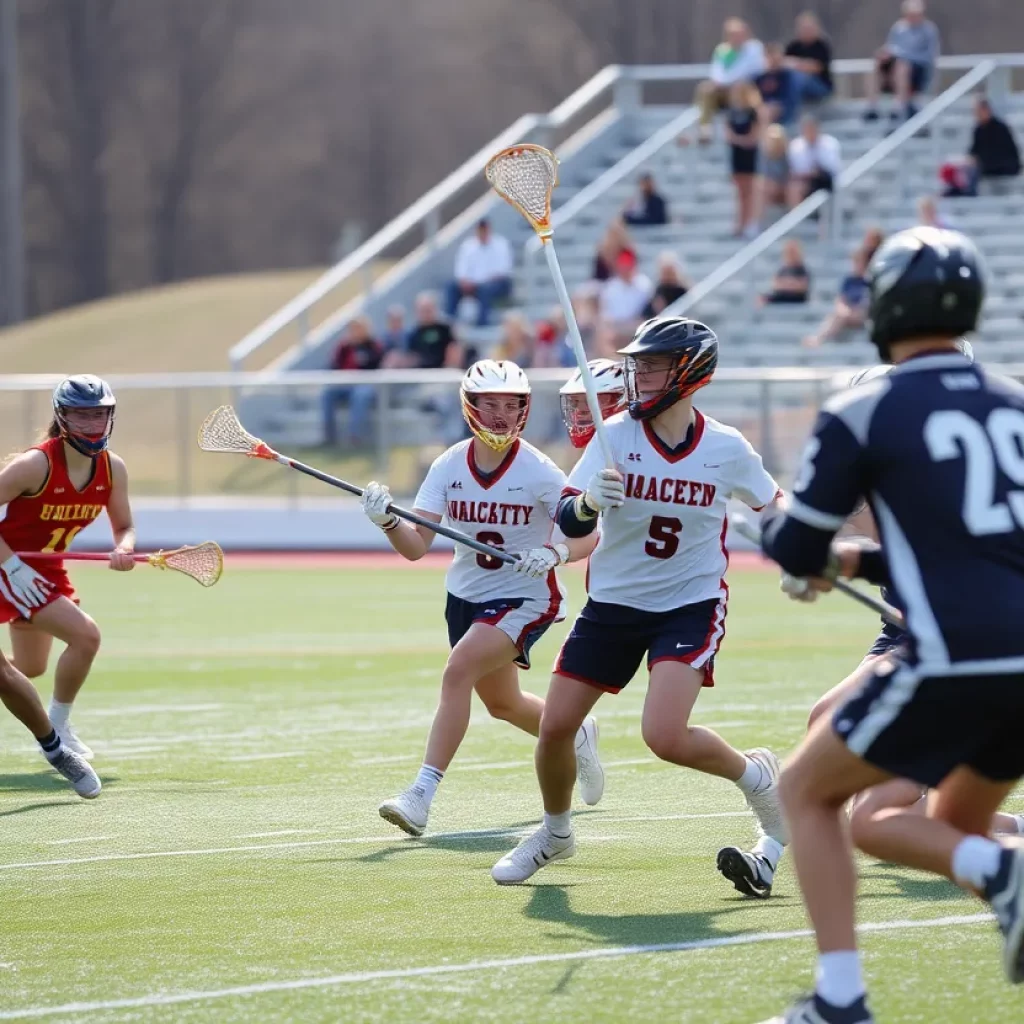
[(84, 409), (579, 424), (495, 402)]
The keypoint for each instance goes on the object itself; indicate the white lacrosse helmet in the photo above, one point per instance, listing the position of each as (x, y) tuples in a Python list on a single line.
[(610, 384), (486, 391)]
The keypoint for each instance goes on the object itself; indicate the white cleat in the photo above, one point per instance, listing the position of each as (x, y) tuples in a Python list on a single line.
[(765, 804), (72, 742), (532, 854), (78, 772), (589, 772), (409, 811)]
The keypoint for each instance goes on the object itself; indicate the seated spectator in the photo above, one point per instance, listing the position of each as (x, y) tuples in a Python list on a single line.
[(814, 160), (517, 340), (929, 216), (870, 243), (649, 209), (809, 57), (851, 306), (616, 240), (672, 285), (394, 336), (791, 283), (777, 86), (551, 349), (993, 154), (738, 58), (774, 168), (357, 349), (431, 343), (743, 133), (905, 64), (622, 302), (483, 271)]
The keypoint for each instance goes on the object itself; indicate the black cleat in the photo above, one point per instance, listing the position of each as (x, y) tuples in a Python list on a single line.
[(1005, 895), (814, 1010), (750, 873)]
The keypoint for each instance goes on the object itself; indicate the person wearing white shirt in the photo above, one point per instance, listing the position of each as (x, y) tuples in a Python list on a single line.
[(738, 58), (814, 160), (483, 271), (625, 295)]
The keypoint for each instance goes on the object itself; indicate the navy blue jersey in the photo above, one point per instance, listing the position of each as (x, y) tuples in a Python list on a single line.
[(937, 448)]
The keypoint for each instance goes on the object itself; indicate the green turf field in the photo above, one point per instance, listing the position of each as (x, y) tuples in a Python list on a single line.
[(235, 869)]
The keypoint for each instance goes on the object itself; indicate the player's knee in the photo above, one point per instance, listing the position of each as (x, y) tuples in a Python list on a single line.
[(502, 710), (87, 638), (557, 728), (820, 709), (665, 741), (458, 675)]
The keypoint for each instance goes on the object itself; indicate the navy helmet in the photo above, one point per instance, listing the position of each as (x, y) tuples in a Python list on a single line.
[(84, 391), (924, 283), (693, 350)]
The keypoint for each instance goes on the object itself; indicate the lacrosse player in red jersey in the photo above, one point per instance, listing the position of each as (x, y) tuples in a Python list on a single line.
[(504, 492), (48, 494)]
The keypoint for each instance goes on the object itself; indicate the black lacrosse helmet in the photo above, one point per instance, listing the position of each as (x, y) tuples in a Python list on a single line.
[(84, 391), (924, 283), (693, 347)]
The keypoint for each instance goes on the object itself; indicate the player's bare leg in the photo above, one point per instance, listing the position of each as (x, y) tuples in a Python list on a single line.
[(20, 698), (65, 621), (566, 707)]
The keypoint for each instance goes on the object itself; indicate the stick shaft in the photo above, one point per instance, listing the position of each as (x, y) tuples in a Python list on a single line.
[(576, 340), (74, 556)]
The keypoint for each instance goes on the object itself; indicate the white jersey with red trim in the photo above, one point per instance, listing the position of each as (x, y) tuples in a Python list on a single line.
[(513, 508), (665, 547)]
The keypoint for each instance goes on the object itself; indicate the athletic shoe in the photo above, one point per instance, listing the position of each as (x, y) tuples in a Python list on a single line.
[(532, 854), (1005, 894), (78, 772), (409, 811), (814, 1010), (589, 772), (765, 803), (750, 873), (71, 741)]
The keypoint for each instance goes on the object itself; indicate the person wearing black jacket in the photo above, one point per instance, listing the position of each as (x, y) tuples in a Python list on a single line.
[(993, 148)]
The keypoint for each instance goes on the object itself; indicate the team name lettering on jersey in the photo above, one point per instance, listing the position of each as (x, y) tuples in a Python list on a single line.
[(69, 513), (492, 512), (669, 491)]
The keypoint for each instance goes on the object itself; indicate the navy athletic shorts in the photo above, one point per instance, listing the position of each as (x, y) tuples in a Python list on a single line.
[(524, 620), (608, 642)]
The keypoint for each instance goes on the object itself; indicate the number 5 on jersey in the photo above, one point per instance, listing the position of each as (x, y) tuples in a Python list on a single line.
[(664, 537)]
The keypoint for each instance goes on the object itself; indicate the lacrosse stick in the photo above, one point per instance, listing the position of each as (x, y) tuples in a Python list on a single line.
[(525, 176), (876, 604), (203, 563), (222, 431)]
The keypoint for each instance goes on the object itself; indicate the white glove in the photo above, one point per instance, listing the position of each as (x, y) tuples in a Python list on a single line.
[(376, 503), (538, 562), (606, 490), (27, 585), (798, 589)]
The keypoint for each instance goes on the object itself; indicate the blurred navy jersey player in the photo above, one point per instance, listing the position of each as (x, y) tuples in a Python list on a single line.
[(656, 591), (937, 448)]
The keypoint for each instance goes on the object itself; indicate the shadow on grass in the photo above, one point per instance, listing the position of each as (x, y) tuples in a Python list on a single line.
[(910, 884), (43, 781), (28, 808)]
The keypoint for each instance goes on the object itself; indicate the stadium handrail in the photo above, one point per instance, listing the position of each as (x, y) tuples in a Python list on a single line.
[(425, 213), (767, 239)]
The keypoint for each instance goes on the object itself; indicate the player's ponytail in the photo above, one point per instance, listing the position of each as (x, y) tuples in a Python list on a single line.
[(52, 431)]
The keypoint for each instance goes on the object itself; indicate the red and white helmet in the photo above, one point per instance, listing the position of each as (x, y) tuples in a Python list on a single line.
[(496, 401), (610, 383)]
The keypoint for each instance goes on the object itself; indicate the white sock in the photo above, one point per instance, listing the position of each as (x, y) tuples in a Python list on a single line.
[(59, 714), (1019, 818), (839, 979), (559, 825), (427, 781), (752, 780), (770, 850), (975, 861)]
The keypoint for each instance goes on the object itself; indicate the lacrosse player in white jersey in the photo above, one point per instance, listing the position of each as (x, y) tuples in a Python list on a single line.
[(610, 387), (656, 589), (504, 492)]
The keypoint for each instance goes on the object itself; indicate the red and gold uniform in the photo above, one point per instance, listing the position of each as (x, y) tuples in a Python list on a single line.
[(50, 520)]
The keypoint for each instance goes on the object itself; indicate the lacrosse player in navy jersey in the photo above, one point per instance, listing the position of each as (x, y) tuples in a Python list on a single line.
[(937, 448)]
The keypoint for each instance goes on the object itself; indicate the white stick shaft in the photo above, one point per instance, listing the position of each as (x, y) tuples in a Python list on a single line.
[(579, 352)]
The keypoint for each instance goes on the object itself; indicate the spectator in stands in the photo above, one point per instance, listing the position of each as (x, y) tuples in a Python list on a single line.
[(850, 310), (622, 301), (649, 208), (993, 154), (517, 340), (774, 167), (483, 271), (672, 285), (616, 240), (814, 161), (357, 349), (777, 87), (809, 57), (743, 133), (929, 215), (394, 336), (874, 236), (905, 64), (738, 58), (551, 349), (431, 343), (791, 283)]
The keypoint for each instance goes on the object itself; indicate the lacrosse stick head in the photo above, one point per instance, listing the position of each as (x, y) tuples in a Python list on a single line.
[(222, 431), (202, 562), (525, 176)]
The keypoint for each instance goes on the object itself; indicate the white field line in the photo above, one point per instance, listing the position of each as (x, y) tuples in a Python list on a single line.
[(488, 766), (436, 970), (279, 832), (268, 756), (152, 709), (79, 839)]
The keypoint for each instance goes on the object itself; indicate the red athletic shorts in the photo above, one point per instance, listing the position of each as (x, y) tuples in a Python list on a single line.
[(13, 611)]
